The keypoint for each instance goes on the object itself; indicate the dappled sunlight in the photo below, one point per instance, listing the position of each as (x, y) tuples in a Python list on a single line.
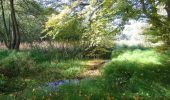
[(140, 56), (85, 50), (161, 10), (73, 70), (132, 34)]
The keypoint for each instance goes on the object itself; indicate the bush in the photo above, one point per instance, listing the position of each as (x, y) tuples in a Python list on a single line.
[(98, 52), (69, 28), (17, 64), (11, 85)]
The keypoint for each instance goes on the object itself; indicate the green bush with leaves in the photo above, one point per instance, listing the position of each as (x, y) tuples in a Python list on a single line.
[(68, 28)]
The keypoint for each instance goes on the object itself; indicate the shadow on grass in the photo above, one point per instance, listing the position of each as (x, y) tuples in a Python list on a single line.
[(134, 74), (34, 67)]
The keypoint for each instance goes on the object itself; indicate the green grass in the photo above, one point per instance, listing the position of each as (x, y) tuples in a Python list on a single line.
[(141, 56), (143, 74), (32, 68), (131, 74)]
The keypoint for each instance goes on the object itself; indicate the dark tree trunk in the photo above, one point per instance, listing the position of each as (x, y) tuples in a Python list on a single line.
[(15, 29), (11, 36), (167, 7), (4, 35)]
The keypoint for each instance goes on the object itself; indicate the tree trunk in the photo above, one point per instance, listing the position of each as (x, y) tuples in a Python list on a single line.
[(15, 29), (167, 7), (4, 35), (11, 35)]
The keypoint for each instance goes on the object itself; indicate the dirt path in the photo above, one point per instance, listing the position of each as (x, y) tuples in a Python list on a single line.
[(93, 67), (92, 70)]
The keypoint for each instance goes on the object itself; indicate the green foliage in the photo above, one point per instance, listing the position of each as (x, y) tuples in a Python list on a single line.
[(138, 73), (147, 56), (98, 52), (117, 50), (132, 73), (12, 64), (91, 28), (128, 79), (32, 17), (23, 66), (64, 28), (11, 85)]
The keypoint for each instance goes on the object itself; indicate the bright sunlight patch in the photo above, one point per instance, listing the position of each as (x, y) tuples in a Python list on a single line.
[(140, 56)]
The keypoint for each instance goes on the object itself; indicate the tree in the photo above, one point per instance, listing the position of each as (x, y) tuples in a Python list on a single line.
[(88, 23), (30, 17), (11, 36), (15, 28), (167, 7), (160, 23)]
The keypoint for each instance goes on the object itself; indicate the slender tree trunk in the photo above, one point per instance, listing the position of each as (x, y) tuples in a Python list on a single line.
[(11, 36), (5, 37), (15, 28), (167, 7)]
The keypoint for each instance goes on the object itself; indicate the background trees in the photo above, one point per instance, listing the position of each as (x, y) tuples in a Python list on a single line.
[(22, 22), (73, 39), (91, 22), (153, 11)]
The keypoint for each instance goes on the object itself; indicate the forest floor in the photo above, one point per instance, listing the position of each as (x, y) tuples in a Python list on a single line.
[(93, 67), (131, 73)]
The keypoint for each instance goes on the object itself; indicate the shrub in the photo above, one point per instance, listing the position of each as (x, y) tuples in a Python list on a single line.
[(17, 64)]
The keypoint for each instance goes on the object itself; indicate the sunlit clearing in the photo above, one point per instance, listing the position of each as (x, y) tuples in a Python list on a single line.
[(132, 34), (139, 56)]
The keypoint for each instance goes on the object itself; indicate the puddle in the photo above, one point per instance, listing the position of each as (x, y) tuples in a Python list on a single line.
[(54, 86)]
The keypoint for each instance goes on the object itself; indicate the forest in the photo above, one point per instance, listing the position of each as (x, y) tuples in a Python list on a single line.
[(84, 49)]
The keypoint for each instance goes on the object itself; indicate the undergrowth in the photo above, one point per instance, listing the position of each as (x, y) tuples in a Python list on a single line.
[(131, 74)]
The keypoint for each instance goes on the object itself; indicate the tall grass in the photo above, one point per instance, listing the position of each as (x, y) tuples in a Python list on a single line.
[(33, 67), (134, 74), (131, 74)]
